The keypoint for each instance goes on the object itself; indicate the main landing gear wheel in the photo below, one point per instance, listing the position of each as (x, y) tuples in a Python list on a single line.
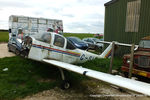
[(65, 84)]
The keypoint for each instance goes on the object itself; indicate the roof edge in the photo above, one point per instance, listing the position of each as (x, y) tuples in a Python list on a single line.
[(110, 2)]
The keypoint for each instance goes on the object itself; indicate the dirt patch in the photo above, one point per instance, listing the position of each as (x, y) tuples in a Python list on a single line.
[(4, 51), (88, 90)]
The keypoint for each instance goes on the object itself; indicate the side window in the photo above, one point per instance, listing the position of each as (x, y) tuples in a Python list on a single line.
[(90, 41), (70, 46), (46, 38), (85, 40), (59, 41)]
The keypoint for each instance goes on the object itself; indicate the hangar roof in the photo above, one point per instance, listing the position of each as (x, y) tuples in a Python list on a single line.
[(110, 2)]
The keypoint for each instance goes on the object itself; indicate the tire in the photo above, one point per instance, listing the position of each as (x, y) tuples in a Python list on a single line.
[(17, 52), (9, 49), (65, 85), (97, 48)]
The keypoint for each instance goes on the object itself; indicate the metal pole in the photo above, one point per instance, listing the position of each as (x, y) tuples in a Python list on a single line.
[(131, 61), (112, 57)]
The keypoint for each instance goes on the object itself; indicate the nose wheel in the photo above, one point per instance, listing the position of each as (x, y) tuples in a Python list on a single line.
[(65, 84)]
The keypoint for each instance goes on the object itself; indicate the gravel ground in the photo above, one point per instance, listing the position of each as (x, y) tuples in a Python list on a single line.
[(92, 90), (4, 51), (89, 89)]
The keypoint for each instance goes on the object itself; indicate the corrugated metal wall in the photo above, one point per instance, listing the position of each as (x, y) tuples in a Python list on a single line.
[(115, 24)]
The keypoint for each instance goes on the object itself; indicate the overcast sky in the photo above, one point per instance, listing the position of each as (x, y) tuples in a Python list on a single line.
[(77, 15)]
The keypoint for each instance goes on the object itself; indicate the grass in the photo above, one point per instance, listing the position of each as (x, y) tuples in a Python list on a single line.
[(25, 77), (4, 36), (81, 36)]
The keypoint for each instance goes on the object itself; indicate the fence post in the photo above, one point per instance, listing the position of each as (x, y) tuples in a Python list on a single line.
[(112, 57), (131, 61)]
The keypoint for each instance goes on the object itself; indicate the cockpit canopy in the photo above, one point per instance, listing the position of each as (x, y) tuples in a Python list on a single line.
[(58, 40), (44, 37)]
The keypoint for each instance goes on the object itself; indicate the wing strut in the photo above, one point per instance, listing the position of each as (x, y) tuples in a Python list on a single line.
[(65, 84)]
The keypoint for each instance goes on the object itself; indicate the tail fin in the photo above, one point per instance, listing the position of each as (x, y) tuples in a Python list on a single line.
[(107, 52)]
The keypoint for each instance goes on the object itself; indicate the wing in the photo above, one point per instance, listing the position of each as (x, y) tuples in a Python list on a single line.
[(133, 85)]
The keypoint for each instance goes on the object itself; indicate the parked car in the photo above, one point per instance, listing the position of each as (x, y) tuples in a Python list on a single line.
[(102, 39), (14, 45), (92, 42), (77, 42)]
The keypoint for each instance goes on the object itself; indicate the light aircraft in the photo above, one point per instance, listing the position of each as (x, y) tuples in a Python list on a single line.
[(55, 49)]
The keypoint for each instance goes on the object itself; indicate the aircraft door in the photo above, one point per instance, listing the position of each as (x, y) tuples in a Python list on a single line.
[(71, 54), (57, 49)]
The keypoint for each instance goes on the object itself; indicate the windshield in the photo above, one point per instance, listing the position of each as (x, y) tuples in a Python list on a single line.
[(95, 39), (144, 44), (76, 40)]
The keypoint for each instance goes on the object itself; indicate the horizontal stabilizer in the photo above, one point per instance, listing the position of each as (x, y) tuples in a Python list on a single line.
[(133, 85), (117, 43)]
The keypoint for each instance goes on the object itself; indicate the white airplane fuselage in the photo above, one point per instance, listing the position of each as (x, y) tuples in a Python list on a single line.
[(42, 50)]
